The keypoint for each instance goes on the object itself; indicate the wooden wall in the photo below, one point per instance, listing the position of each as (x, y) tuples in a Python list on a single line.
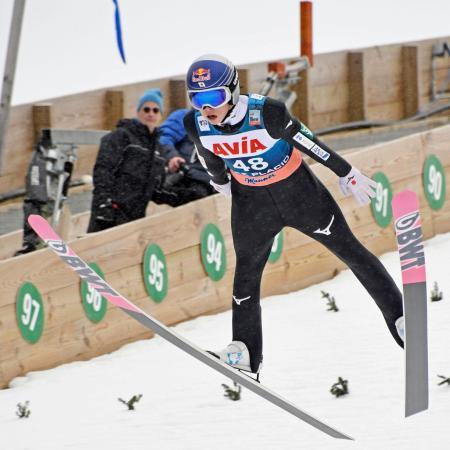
[(382, 78), (386, 82), (69, 335), (71, 227)]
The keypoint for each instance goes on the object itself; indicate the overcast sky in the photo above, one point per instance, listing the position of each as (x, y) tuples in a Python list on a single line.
[(69, 46)]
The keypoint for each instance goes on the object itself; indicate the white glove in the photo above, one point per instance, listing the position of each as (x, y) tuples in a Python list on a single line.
[(224, 189), (362, 187)]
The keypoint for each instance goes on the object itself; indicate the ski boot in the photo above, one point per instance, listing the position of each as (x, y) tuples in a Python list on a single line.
[(236, 354), (400, 325)]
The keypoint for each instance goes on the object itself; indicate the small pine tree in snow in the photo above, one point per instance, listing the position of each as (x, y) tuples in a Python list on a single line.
[(22, 410), (436, 294), (445, 380), (232, 394), (340, 388), (331, 302), (130, 403)]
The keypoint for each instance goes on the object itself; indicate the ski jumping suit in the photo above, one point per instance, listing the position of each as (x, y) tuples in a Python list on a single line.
[(272, 187)]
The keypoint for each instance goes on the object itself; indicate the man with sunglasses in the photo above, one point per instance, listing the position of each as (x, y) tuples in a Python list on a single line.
[(129, 170), (251, 147)]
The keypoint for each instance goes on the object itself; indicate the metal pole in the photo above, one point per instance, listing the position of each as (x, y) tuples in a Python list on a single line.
[(10, 68)]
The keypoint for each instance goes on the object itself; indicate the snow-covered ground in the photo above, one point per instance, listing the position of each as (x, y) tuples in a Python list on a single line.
[(70, 46), (306, 349)]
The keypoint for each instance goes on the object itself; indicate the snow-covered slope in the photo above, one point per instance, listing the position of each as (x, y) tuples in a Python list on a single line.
[(306, 349)]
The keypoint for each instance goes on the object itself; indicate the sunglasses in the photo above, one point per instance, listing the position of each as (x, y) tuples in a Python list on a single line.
[(147, 109), (214, 98)]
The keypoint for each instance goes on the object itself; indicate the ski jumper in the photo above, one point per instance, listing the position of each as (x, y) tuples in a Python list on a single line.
[(259, 144)]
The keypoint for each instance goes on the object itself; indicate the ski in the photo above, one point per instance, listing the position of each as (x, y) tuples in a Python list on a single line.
[(412, 259), (51, 238)]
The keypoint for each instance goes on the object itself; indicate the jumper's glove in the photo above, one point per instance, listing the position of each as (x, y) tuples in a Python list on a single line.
[(224, 189), (362, 187), (106, 211)]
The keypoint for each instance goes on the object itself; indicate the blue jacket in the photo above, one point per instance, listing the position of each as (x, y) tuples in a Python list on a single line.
[(175, 142)]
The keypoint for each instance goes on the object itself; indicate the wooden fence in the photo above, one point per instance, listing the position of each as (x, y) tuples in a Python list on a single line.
[(387, 82), (69, 335), (71, 226)]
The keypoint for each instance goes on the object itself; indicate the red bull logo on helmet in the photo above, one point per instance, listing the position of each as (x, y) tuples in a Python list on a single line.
[(201, 75)]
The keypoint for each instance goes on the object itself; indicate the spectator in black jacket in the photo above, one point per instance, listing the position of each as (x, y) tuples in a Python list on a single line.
[(129, 170), (186, 176)]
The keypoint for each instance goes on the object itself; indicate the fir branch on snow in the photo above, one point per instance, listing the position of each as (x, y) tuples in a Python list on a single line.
[(232, 394), (340, 388), (331, 302), (130, 403), (22, 410), (446, 380), (436, 295)]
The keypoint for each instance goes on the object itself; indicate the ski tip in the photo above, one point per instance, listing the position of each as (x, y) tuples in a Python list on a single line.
[(404, 202), (42, 228), (406, 193), (407, 196), (35, 219)]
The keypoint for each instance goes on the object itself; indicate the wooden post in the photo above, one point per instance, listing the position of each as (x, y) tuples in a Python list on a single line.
[(113, 108), (65, 222), (177, 94), (302, 107), (410, 69), (42, 118), (306, 31), (244, 80), (356, 87)]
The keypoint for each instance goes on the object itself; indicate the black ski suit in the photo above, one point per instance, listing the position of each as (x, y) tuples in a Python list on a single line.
[(299, 201)]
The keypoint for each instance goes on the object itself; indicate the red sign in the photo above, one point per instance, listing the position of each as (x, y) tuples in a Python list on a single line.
[(242, 147)]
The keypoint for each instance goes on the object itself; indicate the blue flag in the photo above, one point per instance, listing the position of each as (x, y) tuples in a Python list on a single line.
[(119, 32)]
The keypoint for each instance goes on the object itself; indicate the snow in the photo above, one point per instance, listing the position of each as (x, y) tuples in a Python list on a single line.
[(70, 46), (306, 349)]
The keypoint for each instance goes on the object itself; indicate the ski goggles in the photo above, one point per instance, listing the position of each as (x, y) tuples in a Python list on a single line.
[(215, 97)]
